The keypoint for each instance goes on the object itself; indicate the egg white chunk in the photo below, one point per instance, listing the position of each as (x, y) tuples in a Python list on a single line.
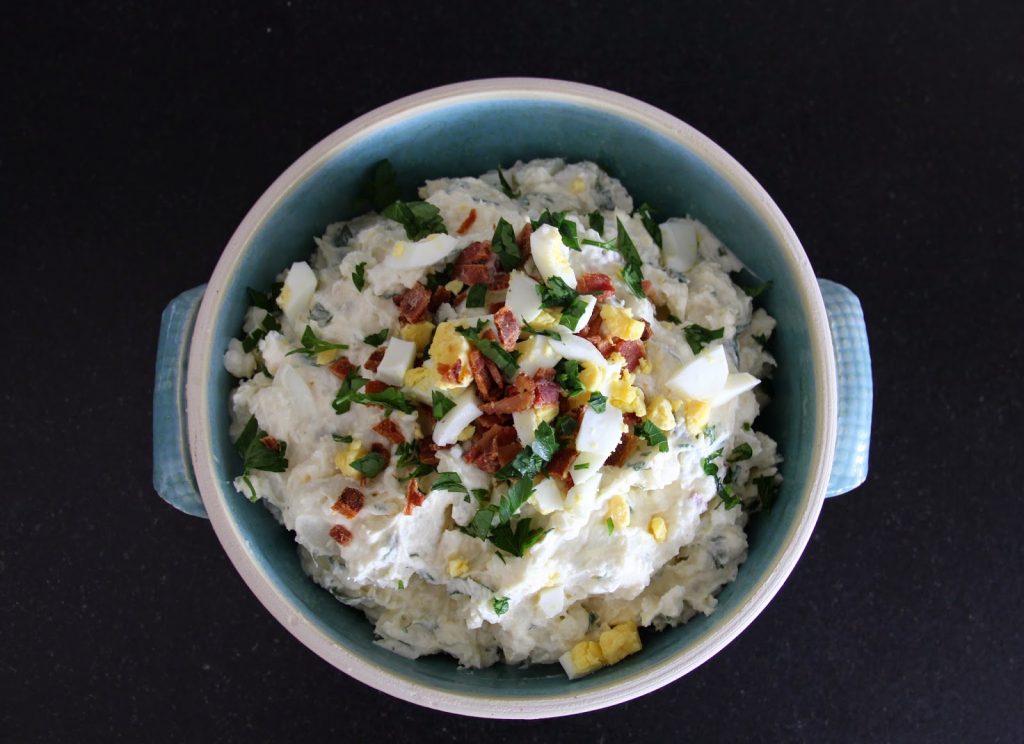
[(406, 255), (297, 292), (466, 410), (551, 255), (704, 377), (397, 360)]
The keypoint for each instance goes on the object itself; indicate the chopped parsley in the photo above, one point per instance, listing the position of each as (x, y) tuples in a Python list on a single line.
[(477, 295), (359, 276), (610, 524), (596, 220), (440, 278), (379, 189), (564, 426), (313, 345), (259, 451), (516, 540), (556, 293), (342, 438), (263, 301), (740, 452), (376, 339), (540, 331), (650, 433), (572, 314), (698, 336), (544, 442), (762, 340), (348, 393), (504, 245), (510, 192), (567, 375), (408, 455), (723, 488), (500, 603), (482, 495), (506, 361), (767, 491), (449, 481), (760, 289), (268, 324), (565, 227), (632, 273), (645, 213), (371, 464), (581, 466), (442, 404), (419, 218), (598, 402), (708, 465)]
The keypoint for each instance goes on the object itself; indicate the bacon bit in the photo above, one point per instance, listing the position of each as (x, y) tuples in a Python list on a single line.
[(604, 345), (486, 375), (500, 281), (474, 253), (546, 392), (390, 431), (590, 283), (519, 399), (648, 331), (559, 465), (593, 326), (427, 452), (493, 449), (373, 361), (476, 264), (413, 497), (349, 503), (467, 223), (441, 295), (451, 372), (340, 534), (631, 418), (632, 352), (376, 386), (508, 328), (523, 240), (340, 367), (413, 303), (649, 291), (271, 443), (471, 274), (622, 453)]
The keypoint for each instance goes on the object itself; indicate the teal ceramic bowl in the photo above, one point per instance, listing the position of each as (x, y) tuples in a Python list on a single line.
[(822, 391)]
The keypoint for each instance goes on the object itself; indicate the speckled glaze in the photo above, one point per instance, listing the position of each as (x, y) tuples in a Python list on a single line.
[(465, 129)]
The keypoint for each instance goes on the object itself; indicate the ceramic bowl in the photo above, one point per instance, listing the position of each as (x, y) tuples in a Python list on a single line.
[(820, 413)]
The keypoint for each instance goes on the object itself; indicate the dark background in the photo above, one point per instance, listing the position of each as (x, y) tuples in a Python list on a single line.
[(134, 139)]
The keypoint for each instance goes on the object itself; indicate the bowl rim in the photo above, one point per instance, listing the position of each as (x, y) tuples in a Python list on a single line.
[(484, 705)]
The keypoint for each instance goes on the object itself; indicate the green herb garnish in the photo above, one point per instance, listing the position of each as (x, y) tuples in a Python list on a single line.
[(572, 314), (707, 464), (516, 540), (645, 212), (359, 276), (259, 451), (632, 273), (376, 339), (698, 336), (477, 295), (565, 227), (449, 481), (342, 438), (567, 375), (755, 292), (556, 293), (419, 218), (313, 345), (581, 466), (391, 398), (268, 324), (564, 426), (654, 436), (500, 603), (610, 524), (510, 192), (504, 245), (371, 464), (540, 331), (408, 457), (262, 301), (596, 220), (598, 402), (767, 491), (740, 452), (378, 190), (442, 404), (544, 442)]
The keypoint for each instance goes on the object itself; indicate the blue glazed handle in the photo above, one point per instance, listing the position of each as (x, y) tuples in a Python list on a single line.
[(853, 370), (172, 465)]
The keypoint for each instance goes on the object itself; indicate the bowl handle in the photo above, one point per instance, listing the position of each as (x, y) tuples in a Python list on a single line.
[(172, 465), (853, 370)]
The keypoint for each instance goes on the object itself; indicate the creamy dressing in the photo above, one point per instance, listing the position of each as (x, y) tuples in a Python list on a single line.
[(427, 586)]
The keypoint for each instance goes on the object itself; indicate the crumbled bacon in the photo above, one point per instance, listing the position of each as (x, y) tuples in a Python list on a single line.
[(375, 386), (632, 352), (441, 295), (349, 503), (467, 223), (622, 453), (593, 283), (523, 240), (508, 328), (603, 344), (500, 281), (450, 372), (493, 448), (390, 431), (427, 452), (271, 443), (648, 331), (631, 418), (373, 361), (340, 368), (519, 397), (340, 534), (413, 303), (547, 390), (593, 326), (413, 496), (474, 253), (476, 264), (649, 290), (559, 465), (486, 375), (470, 274)]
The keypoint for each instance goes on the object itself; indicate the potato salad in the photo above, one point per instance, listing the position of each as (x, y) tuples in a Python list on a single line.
[(513, 420)]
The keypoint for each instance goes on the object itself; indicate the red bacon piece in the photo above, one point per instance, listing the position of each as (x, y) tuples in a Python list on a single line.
[(546, 392), (627, 445), (470, 274), (604, 345), (518, 397), (450, 372), (488, 383), (591, 283), (648, 331), (373, 361), (390, 431), (523, 240), (467, 223), (375, 386), (413, 303), (559, 465), (508, 328), (340, 367), (340, 534), (500, 281), (428, 452), (493, 448), (349, 503), (632, 352), (475, 253), (441, 295), (413, 497), (271, 443)]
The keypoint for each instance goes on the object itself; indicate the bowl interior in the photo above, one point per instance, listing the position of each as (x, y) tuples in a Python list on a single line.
[(468, 139)]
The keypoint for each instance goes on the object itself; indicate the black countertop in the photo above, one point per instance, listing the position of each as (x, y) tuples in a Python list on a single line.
[(134, 140)]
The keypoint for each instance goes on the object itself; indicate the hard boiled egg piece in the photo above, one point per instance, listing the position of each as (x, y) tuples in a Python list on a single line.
[(297, 292), (735, 385), (678, 244), (551, 255), (397, 360), (536, 353), (704, 377), (447, 430), (569, 346), (406, 255), (599, 432), (547, 496), (522, 298)]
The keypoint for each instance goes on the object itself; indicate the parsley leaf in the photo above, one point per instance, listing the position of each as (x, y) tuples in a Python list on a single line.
[(556, 293), (347, 392), (740, 453), (371, 464), (767, 491), (343, 438), (755, 292), (260, 300), (707, 464), (482, 495), (510, 192), (596, 220), (762, 340), (516, 496), (449, 481), (645, 212), (654, 436), (442, 404), (504, 245), (581, 466), (566, 227), (379, 189), (516, 541), (572, 314), (376, 339), (698, 336), (567, 375), (728, 496), (506, 360), (540, 331), (526, 463), (598, 402), (359, 276), (268, 324), (313, 345), (419, 218), (632, 273), (440, 278), (544, 442), (391, 398), (477, 295), (259, 451), (500, 603), (565, 427), (408, 455), (610, 525)]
